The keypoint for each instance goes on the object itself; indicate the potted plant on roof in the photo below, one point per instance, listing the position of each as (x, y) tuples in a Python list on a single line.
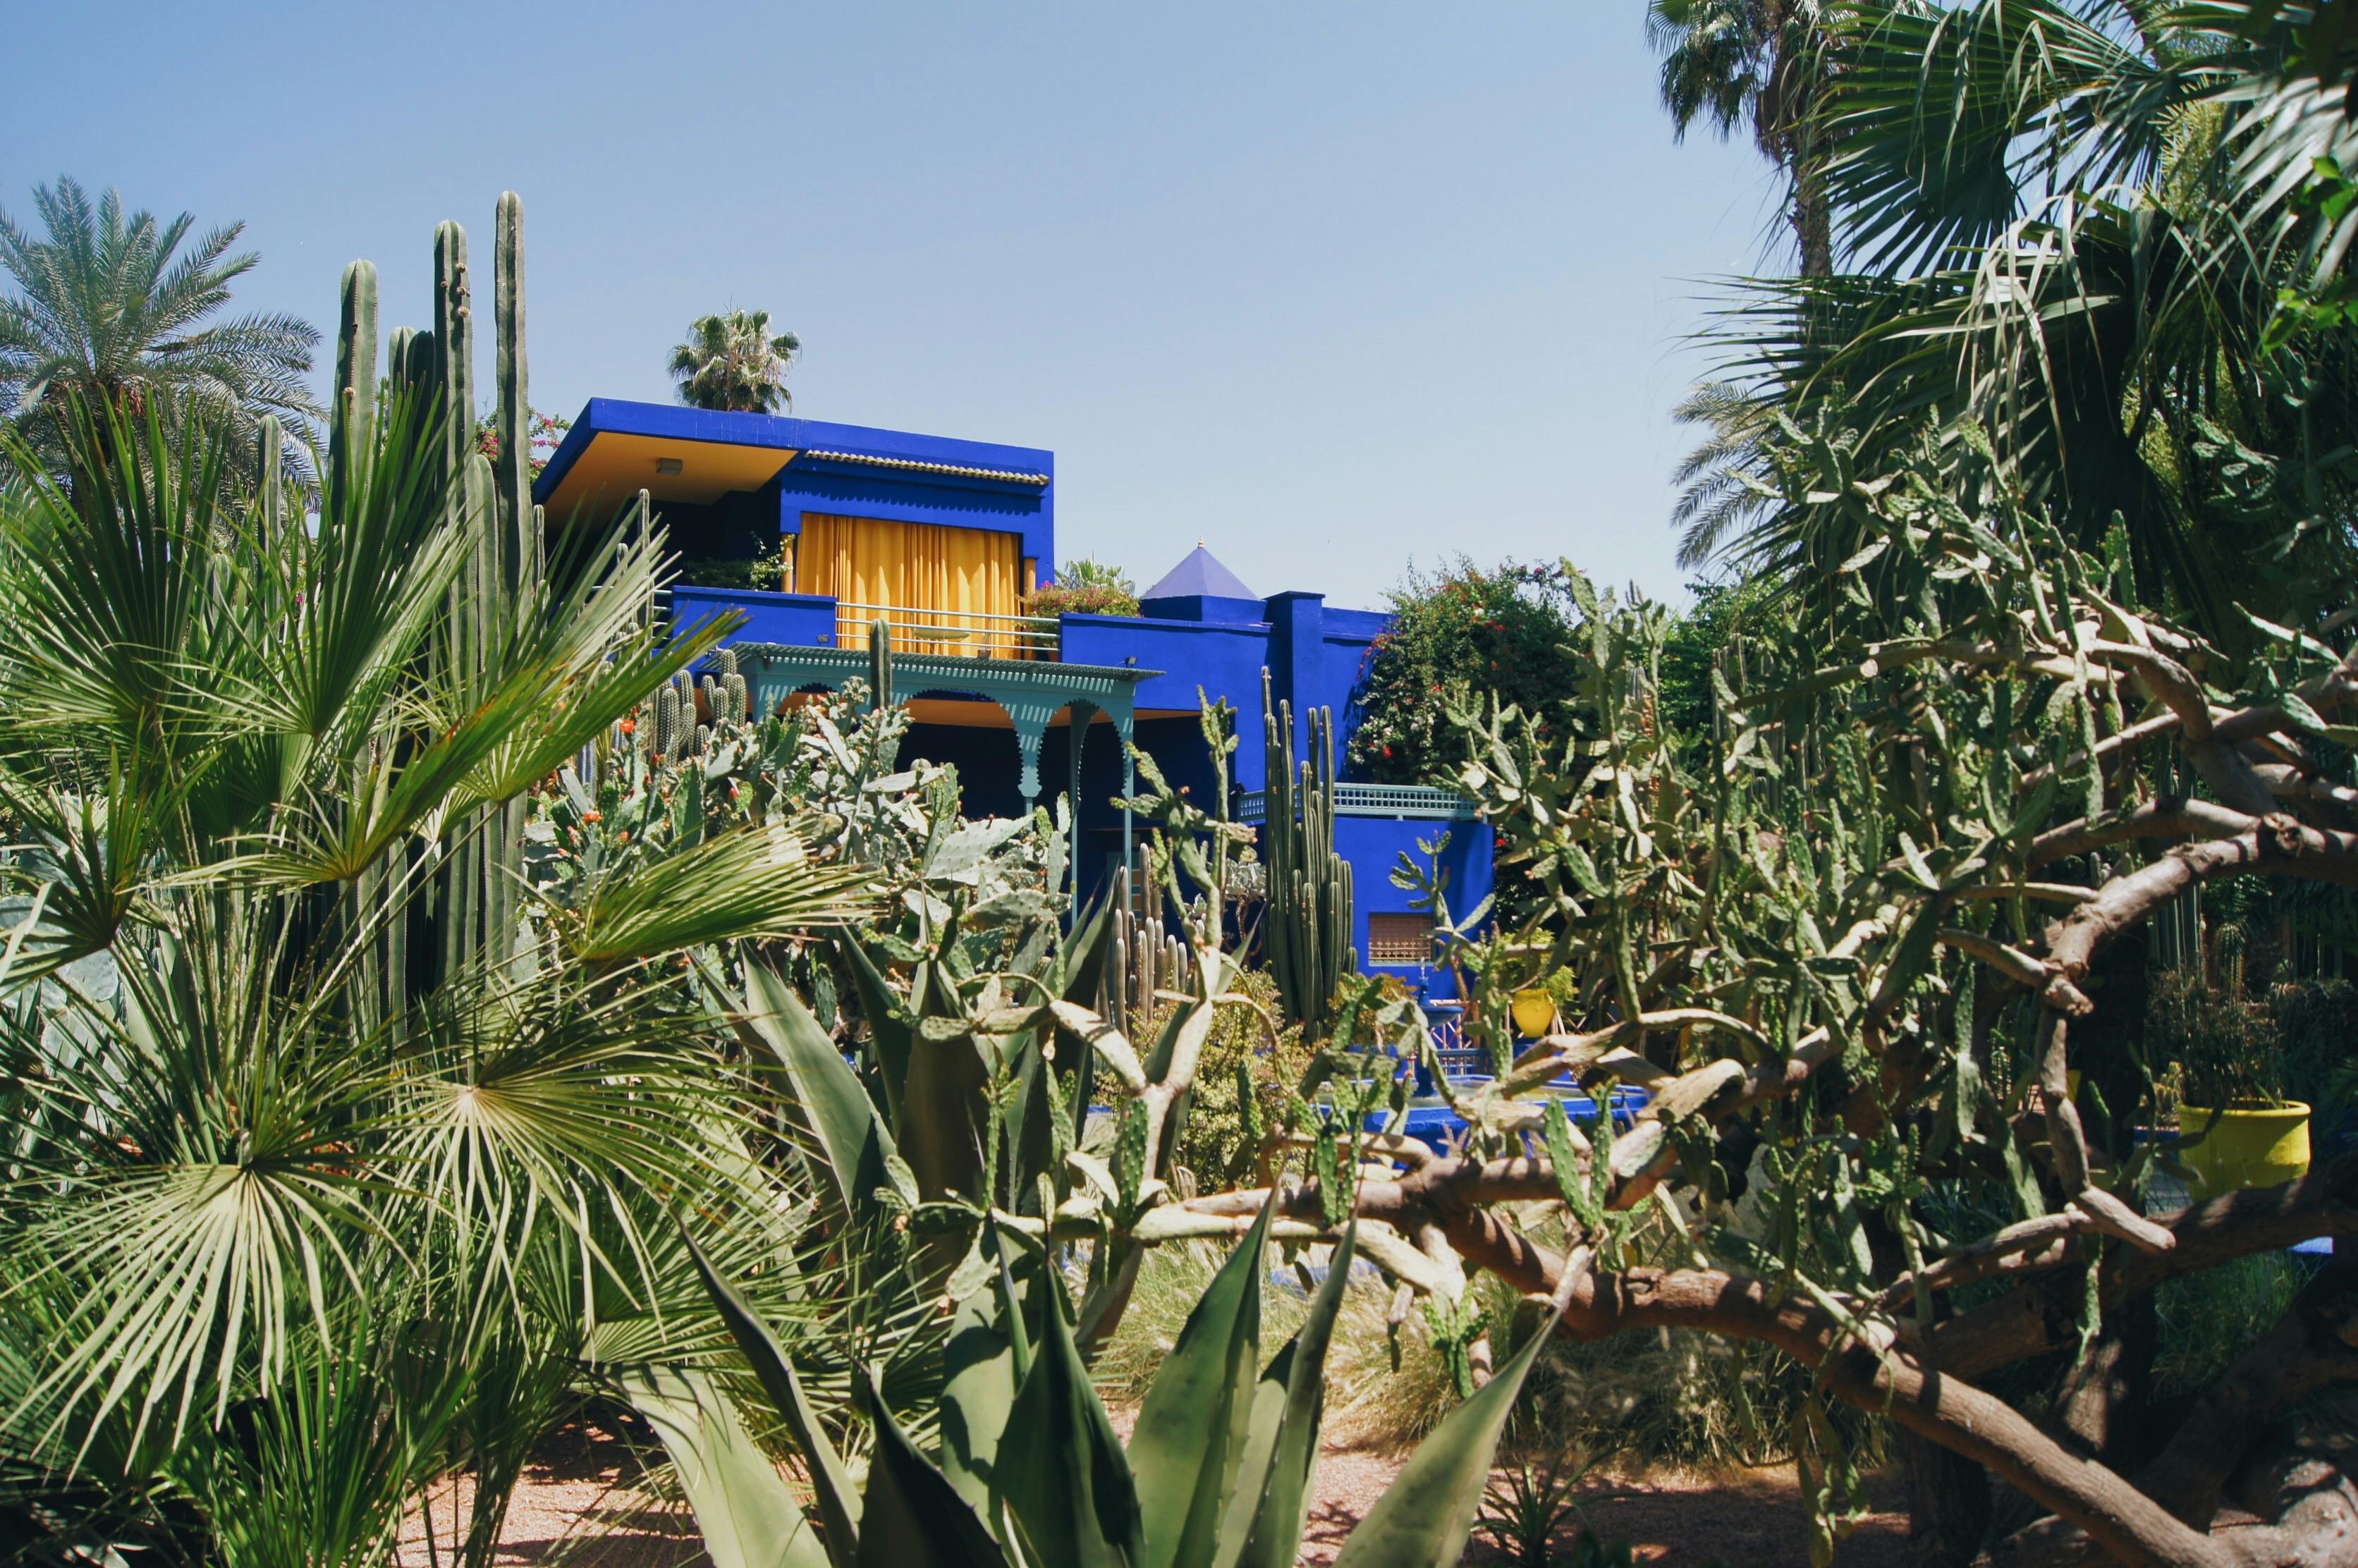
[(2235, 1127)]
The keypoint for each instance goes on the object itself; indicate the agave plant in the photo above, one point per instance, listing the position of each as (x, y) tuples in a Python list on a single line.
[(1217, 1474)]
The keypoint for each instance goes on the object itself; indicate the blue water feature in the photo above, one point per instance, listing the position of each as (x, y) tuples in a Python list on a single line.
[(1435, 1126)]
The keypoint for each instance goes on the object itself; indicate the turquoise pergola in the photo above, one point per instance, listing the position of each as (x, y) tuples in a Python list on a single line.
[(1031, 692)]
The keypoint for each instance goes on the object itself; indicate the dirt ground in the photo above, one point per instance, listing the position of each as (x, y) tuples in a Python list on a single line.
[(585, 1502)]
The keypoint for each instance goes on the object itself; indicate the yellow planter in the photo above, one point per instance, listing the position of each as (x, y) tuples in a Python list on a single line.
[(1534, 1011), (2245, 1148)]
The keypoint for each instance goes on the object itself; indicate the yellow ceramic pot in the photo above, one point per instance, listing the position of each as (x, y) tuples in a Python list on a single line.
[(1534, 1011), (2244, 1147)]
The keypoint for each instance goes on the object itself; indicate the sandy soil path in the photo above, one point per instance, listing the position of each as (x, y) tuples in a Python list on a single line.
[(583, 1502)]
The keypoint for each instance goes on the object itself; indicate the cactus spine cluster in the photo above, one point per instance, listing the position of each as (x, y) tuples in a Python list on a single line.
[(2229, 944), (469, 915), (1309, 923)]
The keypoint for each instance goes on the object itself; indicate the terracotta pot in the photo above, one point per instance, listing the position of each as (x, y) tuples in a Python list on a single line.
[(2244, 1146), (1534, 1009)]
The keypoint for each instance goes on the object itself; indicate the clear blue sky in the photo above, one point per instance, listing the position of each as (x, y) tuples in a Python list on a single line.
[(1331, 287)]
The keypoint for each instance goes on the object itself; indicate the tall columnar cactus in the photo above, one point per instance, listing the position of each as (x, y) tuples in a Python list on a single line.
[(1309, 924), (2229, 944), (351, 428), (270, 478), (514, 532), (470, 915), (880, 662), (519, 544), (729, 693), (666, 723), (1147, 956), (409, 361)]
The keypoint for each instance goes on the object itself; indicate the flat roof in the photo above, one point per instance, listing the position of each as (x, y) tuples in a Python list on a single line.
[(618, 448)]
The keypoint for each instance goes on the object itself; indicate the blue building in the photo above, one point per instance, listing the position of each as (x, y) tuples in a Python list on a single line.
[(949, 541)]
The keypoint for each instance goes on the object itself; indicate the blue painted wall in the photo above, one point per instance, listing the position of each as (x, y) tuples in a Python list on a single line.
[(797, 619), (1374, 845), (818, 484), (1316, 654)]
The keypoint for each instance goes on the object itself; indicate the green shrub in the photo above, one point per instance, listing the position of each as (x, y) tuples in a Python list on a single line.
[(1729, 621), (1083, 599), (2207, 1320), (1215, 1146), (2225, 1042), (760, 570), (1084, 587), (2315, 1021)]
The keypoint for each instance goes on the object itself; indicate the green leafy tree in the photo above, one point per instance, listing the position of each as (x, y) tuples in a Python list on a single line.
[(1727, 622), (1458, 638), (733, 363), (110, 309)]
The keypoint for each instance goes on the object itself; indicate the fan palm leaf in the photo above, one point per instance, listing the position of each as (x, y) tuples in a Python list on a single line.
[(1951, 124), (2072, 224)]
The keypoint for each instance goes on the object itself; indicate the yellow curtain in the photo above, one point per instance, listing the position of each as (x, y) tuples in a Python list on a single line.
[(938, 585)]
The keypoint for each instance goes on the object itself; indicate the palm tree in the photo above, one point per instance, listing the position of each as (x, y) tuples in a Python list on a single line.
[(2072, 223), (1715, 504), (109, 310), (1765, 62), (731, 363), (274, 1240)]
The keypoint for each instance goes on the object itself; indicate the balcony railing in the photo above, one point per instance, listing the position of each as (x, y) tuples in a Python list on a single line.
[(1417, 801), (952, 632)]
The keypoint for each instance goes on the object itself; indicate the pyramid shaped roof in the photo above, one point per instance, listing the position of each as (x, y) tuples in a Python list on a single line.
[(1201, 574)]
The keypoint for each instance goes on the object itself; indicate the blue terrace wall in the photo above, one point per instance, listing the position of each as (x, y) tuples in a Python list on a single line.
[(798, 619), (1316, 654)]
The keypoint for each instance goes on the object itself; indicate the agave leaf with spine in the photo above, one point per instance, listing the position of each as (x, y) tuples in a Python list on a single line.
[(746, 1514)]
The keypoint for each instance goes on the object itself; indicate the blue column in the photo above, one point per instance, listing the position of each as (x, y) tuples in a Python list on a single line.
[(1123, 721), (1297, 651), (1076, 730)]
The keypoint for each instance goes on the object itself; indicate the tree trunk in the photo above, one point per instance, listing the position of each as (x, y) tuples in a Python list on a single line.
[(1812, 219), (1948, 1504), (2106, 1396)]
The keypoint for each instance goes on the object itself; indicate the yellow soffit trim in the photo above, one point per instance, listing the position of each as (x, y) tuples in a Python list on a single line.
[(616, 466)]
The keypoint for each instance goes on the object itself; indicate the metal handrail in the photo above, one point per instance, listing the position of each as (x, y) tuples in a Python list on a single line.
[(929, 630)]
